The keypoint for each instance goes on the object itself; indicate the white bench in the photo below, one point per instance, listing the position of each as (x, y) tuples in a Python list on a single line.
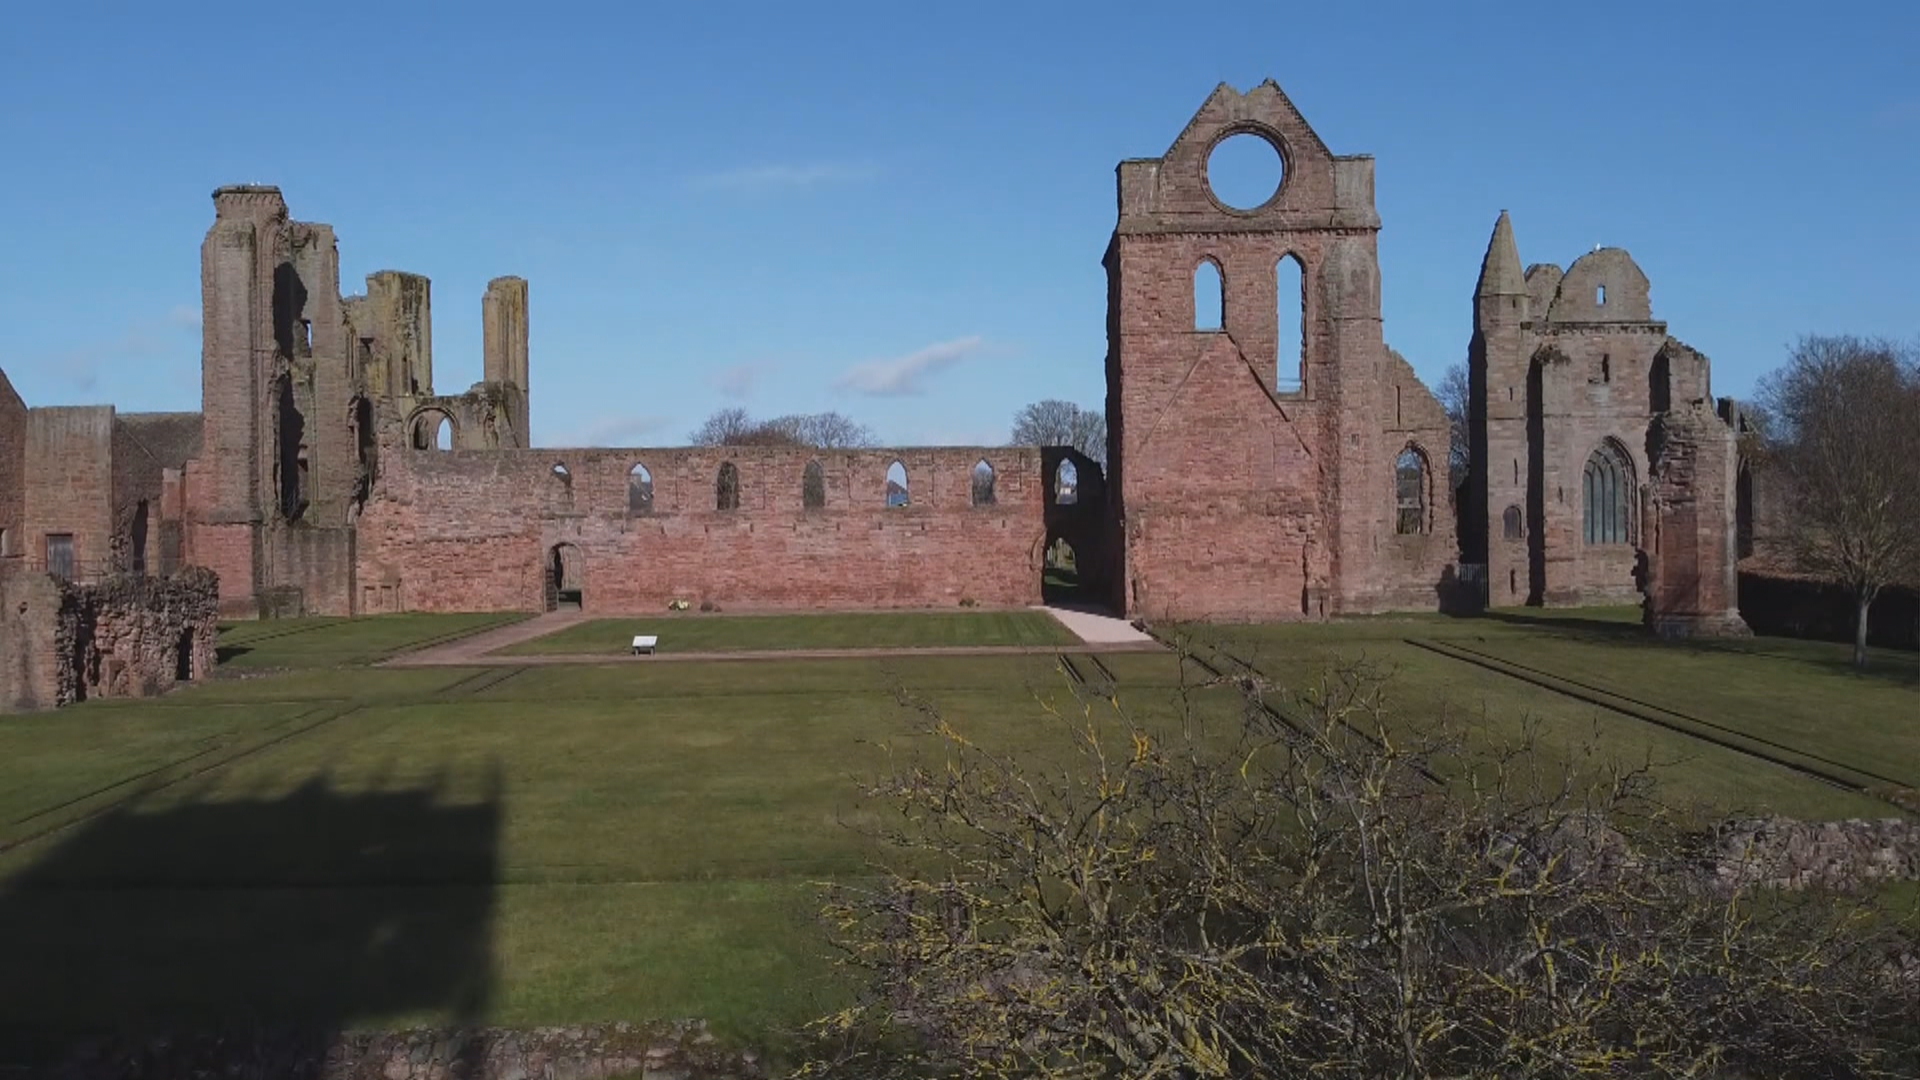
[(644, 643)]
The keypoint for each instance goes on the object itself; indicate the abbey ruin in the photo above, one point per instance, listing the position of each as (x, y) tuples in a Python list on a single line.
[(327, 474)]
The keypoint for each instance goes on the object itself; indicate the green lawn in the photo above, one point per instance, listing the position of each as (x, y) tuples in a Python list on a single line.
[(564, 844), (329, 643), (685, 633)]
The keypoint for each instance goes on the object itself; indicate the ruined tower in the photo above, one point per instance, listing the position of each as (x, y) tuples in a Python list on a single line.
[(1257, 480), (275, 380), (1496, 524), (1594, 436)]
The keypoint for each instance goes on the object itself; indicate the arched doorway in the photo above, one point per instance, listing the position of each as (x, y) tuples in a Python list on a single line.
[(1060, 572), (566, 578)]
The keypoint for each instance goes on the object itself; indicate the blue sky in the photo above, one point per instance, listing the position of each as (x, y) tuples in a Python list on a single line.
[(898, 210)]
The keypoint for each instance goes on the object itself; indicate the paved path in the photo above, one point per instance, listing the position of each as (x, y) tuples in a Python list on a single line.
[(1098, 633), (470, 649), (1096, 629)]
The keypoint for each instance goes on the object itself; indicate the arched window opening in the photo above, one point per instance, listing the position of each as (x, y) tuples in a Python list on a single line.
[(6, 542), (1066, 483), (360, 417), (897, 494), (1660, 384), (1209, 296), (639, 490), (1600, 296), (813, 487), (726, 489), (1290, 352), (1608, 488), (1410, 492), (982, 483), (137, 536), (562, 499), (1513, 525), (432, 430), (1606, 367), (293, 432)]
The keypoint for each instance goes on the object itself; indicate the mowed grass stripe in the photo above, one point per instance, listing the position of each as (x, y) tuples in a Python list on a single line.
[(756, 633), (333, 643)]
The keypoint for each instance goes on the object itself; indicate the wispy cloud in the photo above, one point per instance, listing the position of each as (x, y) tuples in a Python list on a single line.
[(619, 430), (787, 177), (738, 381), (907, 375)]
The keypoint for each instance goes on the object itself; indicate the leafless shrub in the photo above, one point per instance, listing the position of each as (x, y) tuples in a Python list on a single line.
[(1326, 890)]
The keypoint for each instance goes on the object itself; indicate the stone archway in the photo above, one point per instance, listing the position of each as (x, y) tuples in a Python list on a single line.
[(566, 578)]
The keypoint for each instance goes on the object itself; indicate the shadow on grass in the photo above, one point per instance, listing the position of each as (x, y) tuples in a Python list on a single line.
[(300, 915), (224, 653)]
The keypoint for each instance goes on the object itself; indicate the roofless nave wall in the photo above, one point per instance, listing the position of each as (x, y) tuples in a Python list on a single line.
[(327, 473)]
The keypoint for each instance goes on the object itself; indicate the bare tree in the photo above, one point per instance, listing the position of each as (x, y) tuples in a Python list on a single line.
[(1454, 392), (1283, 884), (826, 431), (1062, 423), (1842, 433), (724, 428)]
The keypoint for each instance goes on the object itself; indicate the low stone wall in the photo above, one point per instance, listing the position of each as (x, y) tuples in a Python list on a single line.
[(124, 636), (680, 1051), (1782, 853)]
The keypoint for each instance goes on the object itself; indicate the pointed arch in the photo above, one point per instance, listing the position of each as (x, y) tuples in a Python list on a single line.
[(1066, 483), (1608, 487), (726, 487), (1412, 479), (813, 486), (898, 493), (1290, 324), (639, 490), (983, 483), (1209, 296)]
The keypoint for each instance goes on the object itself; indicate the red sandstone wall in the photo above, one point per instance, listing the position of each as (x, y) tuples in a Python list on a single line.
[(462, 530), (13, 465), (1585, 405), (29, 657), (69, 481)]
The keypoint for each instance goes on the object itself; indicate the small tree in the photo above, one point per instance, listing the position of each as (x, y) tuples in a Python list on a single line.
[(1454, 392), (1271, 884), (1062, 423), (1842, 434)]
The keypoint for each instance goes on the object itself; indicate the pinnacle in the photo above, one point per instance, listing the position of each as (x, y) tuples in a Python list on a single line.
[(1500, 272)]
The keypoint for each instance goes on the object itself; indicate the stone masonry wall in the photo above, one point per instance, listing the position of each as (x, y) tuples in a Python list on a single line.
[(124, 636), (1251, 484), (29, 631), (459, 530), (13, 468), (69, 482)]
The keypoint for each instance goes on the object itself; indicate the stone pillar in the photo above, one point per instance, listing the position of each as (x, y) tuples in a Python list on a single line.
[(504, 314), (402, 306), (1691, 577)]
